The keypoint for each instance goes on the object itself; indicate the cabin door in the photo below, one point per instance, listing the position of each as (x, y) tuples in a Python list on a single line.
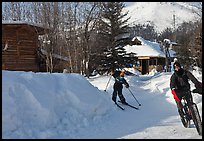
[(145, 66)]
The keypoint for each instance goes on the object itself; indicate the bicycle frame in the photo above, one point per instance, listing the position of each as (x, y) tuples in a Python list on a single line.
[(190, 112), (185, 115)]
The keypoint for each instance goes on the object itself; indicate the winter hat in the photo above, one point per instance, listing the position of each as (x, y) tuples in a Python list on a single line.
[(122, 74), (177, 64)]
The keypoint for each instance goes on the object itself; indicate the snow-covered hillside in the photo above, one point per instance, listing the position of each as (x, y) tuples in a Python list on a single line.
[(160, 14)]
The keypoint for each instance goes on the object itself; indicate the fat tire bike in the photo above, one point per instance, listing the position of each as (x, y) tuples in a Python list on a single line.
[(190, 112)]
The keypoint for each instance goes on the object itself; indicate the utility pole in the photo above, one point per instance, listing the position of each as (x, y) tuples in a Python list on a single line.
[(174, 25), (174, 20)]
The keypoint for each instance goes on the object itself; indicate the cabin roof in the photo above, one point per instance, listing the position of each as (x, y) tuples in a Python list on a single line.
[(40, 29), (146, 48)]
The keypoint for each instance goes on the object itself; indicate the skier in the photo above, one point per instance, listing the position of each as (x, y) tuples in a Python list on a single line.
[(180, 86), (118, 86)]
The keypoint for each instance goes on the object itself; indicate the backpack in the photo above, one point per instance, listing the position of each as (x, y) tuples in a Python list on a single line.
[(116, 74)]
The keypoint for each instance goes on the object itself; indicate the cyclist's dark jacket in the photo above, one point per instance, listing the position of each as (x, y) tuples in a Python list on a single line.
[(179, 80)]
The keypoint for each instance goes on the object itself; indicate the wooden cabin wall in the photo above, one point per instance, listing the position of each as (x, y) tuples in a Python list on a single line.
[(21, 53)]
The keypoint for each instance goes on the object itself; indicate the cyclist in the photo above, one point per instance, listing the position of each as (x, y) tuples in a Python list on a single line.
[(180, 86)]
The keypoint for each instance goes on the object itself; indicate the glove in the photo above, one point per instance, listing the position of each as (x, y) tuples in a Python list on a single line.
[(175, 96), (198, 90), (127, 85), (198, 85)]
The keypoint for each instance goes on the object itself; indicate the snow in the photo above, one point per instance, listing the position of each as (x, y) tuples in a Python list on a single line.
[(21, 22), (68, 105), (160, 14), (147, 48)]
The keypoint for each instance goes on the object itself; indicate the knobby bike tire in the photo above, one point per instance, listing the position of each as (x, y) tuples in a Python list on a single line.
[(196, 118), (184, 120)]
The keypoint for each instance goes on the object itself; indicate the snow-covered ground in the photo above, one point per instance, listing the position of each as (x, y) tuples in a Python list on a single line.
[(61, 105)]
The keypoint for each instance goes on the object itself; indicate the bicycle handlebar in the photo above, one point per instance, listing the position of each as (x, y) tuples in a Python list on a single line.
[(197, 90)]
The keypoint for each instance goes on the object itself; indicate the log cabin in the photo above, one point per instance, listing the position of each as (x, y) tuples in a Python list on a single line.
[(149, 55), (20, 46)]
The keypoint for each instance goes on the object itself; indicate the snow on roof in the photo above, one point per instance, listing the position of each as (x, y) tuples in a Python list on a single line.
[(19, 22), (54, 55), (172, 53), (24, 22), (147, 48)]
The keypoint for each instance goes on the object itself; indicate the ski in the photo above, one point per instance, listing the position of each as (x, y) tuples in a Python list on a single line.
[(129, 105), (119, 106)]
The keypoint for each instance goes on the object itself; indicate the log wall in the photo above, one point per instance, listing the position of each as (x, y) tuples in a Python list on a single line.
[(21, 54)]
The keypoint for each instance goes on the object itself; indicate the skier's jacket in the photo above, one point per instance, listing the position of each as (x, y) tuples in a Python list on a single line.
[(179, 80), (119, 80)]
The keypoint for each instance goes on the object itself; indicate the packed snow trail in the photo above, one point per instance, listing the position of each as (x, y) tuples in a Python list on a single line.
[(158, 112)]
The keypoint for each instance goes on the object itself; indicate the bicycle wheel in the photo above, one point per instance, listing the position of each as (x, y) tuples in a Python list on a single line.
[(185, 121), (196, 118)]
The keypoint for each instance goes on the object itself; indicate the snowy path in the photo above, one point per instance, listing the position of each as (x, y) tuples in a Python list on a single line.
[(157, 117)]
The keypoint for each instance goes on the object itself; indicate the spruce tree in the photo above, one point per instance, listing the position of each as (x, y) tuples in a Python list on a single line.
[(112, 29)]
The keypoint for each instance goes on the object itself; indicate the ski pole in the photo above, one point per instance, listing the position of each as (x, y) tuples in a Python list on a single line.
[(107, 83), (134, 97)]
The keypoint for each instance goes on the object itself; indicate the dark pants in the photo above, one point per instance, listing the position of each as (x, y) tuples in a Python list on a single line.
[(118, 90), (189, 99), (188, 96)]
